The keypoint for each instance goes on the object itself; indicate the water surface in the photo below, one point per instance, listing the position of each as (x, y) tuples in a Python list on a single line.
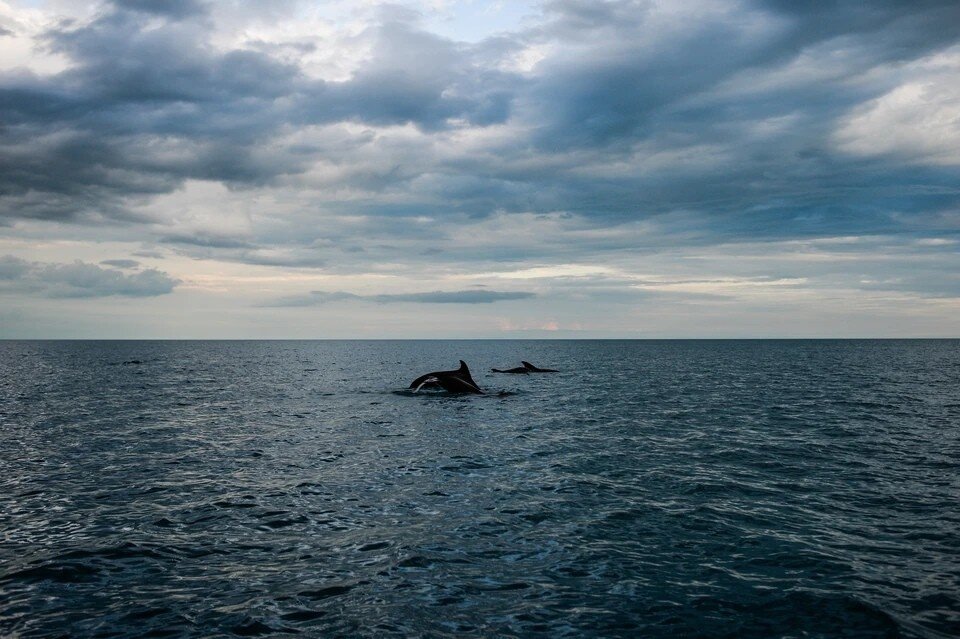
[(651, 488)]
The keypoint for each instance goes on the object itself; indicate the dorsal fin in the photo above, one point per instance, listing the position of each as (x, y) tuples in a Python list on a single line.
[(464, 371), (528, 366)]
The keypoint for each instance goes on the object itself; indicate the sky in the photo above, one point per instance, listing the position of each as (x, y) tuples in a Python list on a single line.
[(460, 169)]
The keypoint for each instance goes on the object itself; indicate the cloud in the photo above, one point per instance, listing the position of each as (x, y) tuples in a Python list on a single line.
[(455, 297), (918, 121), (336, 146), (79, 280), (121, 263), (317, 298), (147, 104), (12, 268), (167, 8), (633, 110), (205, 240)]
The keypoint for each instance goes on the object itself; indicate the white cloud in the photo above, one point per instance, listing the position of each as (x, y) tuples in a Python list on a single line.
[(918, 121)]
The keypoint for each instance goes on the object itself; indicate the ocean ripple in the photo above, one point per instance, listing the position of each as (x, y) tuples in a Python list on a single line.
[(656, 489)]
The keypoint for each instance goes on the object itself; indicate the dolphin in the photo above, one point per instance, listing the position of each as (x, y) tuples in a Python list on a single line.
[(518, 369), (458, 381), (533, 369)]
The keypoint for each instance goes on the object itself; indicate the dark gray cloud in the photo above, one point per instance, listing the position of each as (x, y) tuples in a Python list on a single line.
[(167, 8), (893, 30), (121, 263), (206, 240), (234, 249), (12, 268), (318, 298), (455, 297), (80, 279)]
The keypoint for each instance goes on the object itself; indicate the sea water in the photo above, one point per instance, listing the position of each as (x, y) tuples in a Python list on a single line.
[(649, 489)]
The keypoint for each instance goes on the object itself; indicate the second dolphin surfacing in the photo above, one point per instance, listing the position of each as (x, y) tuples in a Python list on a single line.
[(458, 381), (519, 370), (535, 369)]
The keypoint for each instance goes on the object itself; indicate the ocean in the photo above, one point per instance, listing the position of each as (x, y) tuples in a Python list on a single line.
[(649, 489)]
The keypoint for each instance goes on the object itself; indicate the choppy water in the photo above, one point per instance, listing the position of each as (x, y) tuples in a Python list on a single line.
[(657, 489)]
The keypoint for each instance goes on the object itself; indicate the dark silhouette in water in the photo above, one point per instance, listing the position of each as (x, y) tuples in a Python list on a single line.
[(517, 370), (533, 369), (458, 381)]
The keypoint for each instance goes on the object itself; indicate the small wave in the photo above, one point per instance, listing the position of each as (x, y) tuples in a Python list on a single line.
[(326, 593), (819, 614), (253, 628), (66, 573), (440, 393), (303, 614)]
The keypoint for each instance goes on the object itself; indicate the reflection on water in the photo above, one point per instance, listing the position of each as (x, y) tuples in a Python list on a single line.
[(719, 489)]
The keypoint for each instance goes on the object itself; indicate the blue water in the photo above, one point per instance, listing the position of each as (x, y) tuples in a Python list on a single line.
[(651, 488)]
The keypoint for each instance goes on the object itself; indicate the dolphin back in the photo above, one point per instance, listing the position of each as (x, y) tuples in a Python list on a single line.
[(536, 369)]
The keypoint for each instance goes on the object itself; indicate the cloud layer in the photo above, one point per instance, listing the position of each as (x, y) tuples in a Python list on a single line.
[(389, 147), (80, 279), (316, 298)]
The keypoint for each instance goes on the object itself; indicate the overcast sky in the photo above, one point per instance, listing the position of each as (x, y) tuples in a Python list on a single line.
[(460, 168)]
